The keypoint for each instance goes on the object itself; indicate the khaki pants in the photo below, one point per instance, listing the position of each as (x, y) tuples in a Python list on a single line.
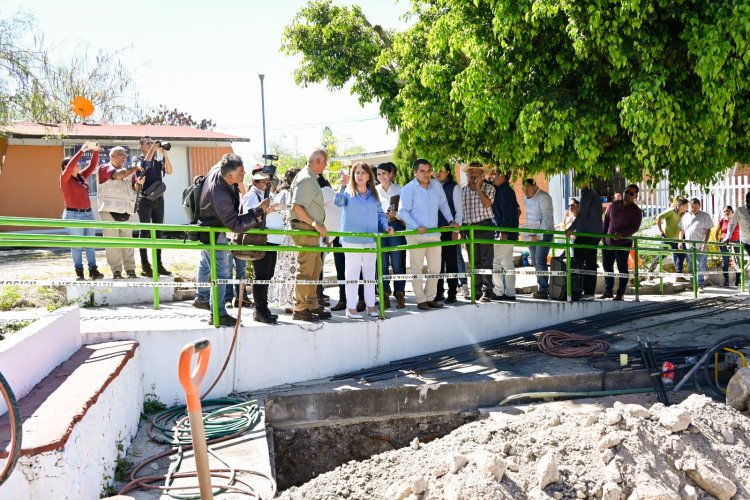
[(309, 265), (503, 259), (118, 258), (424, 290)]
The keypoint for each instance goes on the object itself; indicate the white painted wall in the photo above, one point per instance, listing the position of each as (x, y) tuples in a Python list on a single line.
[(268, 356), (80, 470), (176, 183), (28, 356)]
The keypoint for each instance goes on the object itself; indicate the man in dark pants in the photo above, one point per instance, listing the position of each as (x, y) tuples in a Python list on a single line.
[(477, 197), (589, 220), (262, 268), (449, 253), (155, 164), (623, 218)]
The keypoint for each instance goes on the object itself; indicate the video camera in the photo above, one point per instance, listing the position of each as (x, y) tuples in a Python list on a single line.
[(166, 146), (270, 168)]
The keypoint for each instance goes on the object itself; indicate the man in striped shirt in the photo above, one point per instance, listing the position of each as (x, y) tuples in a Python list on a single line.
[(477, 197)]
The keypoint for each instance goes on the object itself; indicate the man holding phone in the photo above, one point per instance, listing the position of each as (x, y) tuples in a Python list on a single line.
[(154, 163)]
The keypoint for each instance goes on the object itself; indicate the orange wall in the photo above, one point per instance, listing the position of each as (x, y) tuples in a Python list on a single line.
[(30, 182), (203, 158)]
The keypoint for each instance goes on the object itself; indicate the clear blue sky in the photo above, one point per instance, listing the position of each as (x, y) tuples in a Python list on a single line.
[(204, 58)]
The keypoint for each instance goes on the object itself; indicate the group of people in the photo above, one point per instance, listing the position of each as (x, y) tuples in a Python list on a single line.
[(369, 201), (121, 193)]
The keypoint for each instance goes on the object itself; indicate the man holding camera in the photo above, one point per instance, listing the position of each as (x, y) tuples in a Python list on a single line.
[(154, 163), (116, 203)]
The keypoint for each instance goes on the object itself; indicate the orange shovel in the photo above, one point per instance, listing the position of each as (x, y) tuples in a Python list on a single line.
[(191, 383)]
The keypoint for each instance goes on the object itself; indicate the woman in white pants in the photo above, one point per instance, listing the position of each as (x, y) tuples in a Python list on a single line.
[(361, 213)]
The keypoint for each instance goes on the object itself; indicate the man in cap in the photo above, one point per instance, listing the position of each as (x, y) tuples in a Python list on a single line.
[(477, 197)]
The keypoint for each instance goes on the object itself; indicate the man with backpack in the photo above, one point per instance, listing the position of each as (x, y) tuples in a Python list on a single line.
[(219, 207)]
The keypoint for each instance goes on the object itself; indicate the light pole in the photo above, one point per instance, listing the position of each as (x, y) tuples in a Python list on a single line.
[(263, 112)]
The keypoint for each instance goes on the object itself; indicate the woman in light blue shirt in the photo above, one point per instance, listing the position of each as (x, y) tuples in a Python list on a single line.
[(361, 213)]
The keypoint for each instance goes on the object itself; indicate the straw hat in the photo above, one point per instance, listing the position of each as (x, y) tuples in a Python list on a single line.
[(475, 166)]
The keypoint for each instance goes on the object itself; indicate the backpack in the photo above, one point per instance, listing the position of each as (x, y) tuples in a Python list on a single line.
[(191, 199), (191, 202)]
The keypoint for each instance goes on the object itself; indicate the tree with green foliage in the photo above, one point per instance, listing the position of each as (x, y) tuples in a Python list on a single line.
[(649, 87), (164, 116), (36, 87)]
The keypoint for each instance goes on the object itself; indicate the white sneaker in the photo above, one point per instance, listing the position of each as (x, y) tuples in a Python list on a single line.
[(465, 291), (373, 312), (353, 315)]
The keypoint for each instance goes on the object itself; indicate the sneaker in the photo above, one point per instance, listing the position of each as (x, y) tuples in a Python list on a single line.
[(540, 295), (373, 312), (451, 299), (606, 295), (131, 274), (116, 275), (508, 298), (201, 304), (465, 291), (246, 302), (224, 320), (485, 298), (304, 315)]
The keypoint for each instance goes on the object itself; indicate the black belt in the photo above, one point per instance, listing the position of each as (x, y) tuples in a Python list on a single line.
[(78, 209)]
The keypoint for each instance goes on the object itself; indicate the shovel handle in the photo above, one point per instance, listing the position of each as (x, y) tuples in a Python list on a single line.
[(191, 382)]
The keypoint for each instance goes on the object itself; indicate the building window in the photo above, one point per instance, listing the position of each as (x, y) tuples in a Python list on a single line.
[(103, 158)]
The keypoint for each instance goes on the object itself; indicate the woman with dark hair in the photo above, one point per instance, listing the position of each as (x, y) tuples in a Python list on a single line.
[(361, 213), (732, 238), (389, 193)]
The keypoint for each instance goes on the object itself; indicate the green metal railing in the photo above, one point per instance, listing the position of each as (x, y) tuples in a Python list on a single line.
[(642, 245)]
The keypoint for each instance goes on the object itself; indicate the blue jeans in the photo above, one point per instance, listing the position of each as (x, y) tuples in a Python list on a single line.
[(81, 231), (678, 258), (223, 270), (539, 255), (702, 261), (725, 263), (395, 259), (240, 273), (462, 268)]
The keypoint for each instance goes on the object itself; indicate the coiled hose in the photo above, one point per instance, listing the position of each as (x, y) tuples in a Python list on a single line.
[(570, 345)]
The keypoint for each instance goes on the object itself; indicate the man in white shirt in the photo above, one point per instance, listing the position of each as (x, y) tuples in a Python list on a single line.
[(539, 214), (696, 225)]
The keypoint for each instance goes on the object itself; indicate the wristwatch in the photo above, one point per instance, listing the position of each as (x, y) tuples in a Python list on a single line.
[(313, 223)]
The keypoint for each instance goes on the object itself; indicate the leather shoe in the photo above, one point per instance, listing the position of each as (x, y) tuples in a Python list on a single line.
[(264, 317), (540, 295), (434, 305), (451, 299), (422, 306), (224, 320), (246, 302), (131, 273), (321, 313), (340, 306), (618, 297), (606, 295), (147, 271), (361, 306), (116, 275), (163, 271), (509, 298), (304, 315), (201, 304), (439, 298)]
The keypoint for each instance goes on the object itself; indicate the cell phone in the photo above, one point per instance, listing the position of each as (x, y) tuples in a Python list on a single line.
[(93, 145)]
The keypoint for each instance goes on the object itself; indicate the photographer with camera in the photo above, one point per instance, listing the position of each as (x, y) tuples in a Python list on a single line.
[(154, 163)]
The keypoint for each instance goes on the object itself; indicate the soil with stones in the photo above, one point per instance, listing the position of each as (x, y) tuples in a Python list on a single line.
[(596, 449)]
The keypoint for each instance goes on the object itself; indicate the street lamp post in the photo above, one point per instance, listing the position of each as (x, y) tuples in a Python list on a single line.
[(263, 112)]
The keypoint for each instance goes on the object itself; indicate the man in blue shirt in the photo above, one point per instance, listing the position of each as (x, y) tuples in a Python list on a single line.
[(421, 200)]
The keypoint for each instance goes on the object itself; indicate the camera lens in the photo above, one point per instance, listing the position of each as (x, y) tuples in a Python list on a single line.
[(165, 146)]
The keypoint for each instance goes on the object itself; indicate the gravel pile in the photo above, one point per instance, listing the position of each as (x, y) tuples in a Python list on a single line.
[(605, 450)]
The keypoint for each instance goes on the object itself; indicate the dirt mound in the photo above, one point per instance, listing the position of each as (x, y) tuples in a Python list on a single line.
[(607, 449)]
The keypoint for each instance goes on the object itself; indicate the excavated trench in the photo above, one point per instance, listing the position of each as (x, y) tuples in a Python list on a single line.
[(302, 453)]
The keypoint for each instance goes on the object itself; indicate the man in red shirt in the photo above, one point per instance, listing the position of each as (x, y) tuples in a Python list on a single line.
[(622, 219), (75, 190)]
